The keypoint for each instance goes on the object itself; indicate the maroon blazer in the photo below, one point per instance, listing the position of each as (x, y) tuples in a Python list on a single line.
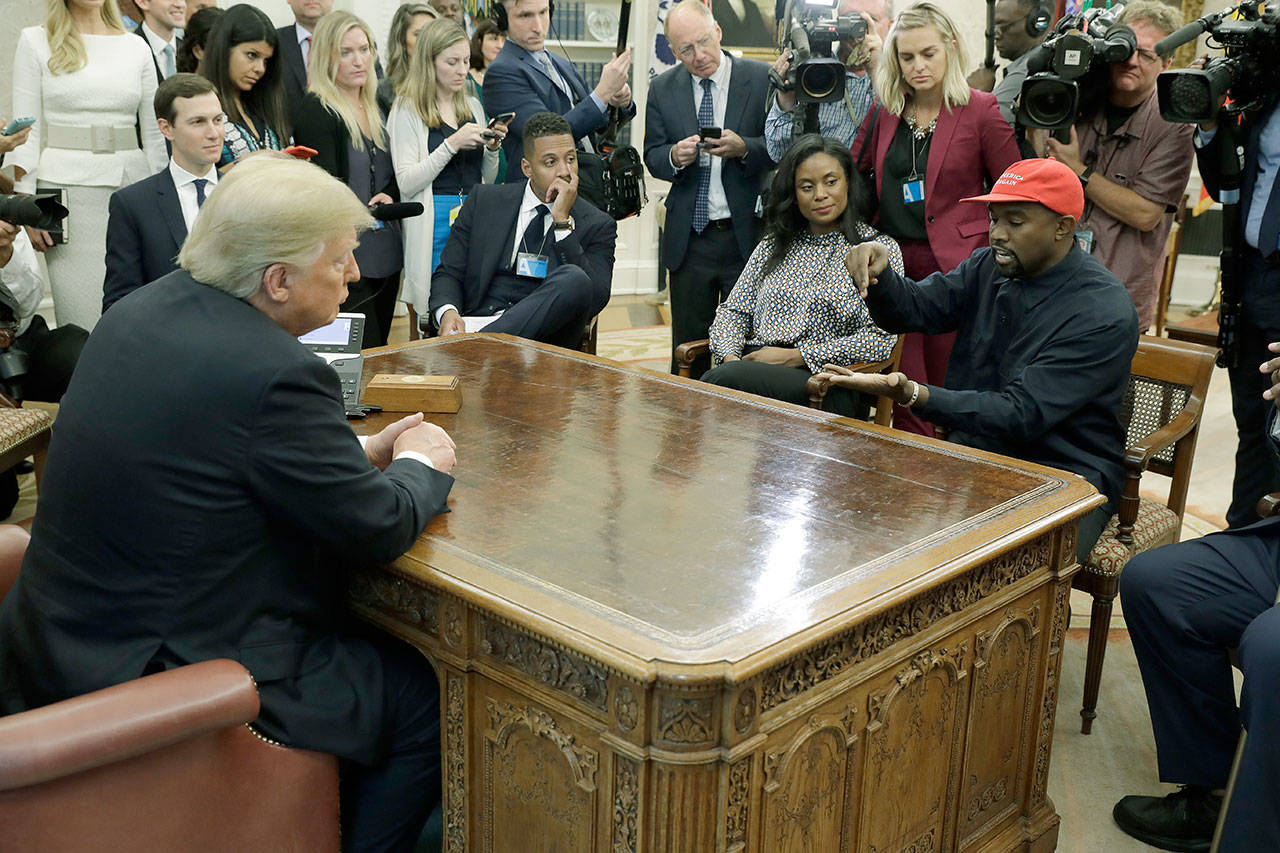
[(972, 146)]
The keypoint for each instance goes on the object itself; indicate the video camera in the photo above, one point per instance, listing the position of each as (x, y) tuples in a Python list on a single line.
[(811, 29), (1249, 72), (1068, 74), (43, 212)]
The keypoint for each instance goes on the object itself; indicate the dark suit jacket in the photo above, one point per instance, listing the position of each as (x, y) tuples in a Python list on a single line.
[(970, 149), (316, 127), (205, 498), (671, 116), (145, 231), (482, 236), (154, 60), (515, 82), (1209, 159), (294, 69)]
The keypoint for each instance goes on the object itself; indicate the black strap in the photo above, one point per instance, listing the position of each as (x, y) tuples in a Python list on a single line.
[(866, 140)]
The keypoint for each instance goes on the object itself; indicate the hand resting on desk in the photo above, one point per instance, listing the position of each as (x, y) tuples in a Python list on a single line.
[(415, 434)]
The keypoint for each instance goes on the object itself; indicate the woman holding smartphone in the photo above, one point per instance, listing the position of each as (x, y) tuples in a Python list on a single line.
[(339, 119), (240, 60), (89, 86), (441, 148)]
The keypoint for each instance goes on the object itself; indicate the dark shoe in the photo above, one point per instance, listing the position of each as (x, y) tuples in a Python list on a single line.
[(1183, 820)]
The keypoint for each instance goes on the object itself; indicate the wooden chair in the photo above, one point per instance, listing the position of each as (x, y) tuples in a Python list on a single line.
[(23, 433), (686, 354), (1161, 413), (1172, 247)]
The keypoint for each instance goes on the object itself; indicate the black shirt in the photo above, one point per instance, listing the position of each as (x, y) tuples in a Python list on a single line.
[(462, 172), (899, 218), (1040, 365)]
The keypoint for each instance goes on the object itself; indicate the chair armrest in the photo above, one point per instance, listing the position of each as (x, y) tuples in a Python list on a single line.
[(1139, 454), (1268, 506), (687, 352), (124, 721)]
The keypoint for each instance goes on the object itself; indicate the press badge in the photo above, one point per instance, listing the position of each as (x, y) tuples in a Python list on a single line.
[(913, 191), (453, 213), (530, 265), (1084, 239)]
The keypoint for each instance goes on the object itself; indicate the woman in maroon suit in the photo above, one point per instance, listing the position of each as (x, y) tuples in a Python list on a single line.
[(931, 141)]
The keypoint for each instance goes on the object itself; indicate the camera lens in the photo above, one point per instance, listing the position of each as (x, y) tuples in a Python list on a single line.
[(1049, 103)]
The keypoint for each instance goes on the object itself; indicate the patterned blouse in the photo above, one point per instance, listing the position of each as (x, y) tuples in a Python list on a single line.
[(238, 142), (808, 302)]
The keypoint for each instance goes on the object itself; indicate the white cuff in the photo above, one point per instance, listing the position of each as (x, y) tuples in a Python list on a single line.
[(413, 454)]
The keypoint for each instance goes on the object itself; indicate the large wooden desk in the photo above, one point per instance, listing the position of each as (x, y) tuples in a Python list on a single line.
[(668, 617)]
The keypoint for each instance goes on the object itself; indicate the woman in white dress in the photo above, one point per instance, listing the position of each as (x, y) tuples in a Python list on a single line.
[(440, 147), (89, 85)]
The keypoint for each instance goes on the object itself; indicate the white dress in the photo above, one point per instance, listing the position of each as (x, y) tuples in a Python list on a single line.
[(115, 88), (416, 168)]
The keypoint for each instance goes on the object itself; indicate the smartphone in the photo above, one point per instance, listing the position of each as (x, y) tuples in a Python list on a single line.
[(501, 118), (709, 132), (489, 135), (302, 152), (16, 125)]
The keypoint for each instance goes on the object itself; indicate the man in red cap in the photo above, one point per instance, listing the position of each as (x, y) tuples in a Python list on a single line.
[(1045, 336)]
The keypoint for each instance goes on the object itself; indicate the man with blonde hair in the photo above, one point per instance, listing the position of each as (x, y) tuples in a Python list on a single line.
[(1133, 164), (205, 498)]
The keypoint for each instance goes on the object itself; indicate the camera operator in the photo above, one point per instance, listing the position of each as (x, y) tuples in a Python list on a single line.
[(1257, 468), (1134, 165), (1020, 25), (838, 119), (35, 361)]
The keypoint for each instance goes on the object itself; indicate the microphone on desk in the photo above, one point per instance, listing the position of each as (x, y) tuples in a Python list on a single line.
[(400, 210)]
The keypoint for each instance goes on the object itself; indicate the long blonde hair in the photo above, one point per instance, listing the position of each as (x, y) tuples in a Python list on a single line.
[(398, 57), (419, 88), (67, 53), (892, 88), (326, 47)]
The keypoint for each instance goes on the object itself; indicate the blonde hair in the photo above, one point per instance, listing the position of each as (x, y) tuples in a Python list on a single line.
[(398, 57), (267, 210), (419, 87), (326, 47), (1162, 16), (892, 88), (67, 53)]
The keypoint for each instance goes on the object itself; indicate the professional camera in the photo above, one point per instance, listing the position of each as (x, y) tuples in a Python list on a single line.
[(1068, 74), (43, 212), (1249, 72), (811, 29)]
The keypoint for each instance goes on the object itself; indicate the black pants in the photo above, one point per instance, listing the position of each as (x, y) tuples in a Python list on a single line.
[(385, 806), (779, 382), (556, 312), (375, 298), (710, 269), (1257, 466), (1185, 606)]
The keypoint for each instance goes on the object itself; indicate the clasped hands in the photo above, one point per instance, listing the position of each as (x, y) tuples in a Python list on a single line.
[(412, 433)]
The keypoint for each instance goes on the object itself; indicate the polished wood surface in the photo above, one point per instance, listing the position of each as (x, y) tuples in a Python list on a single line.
[(683, 618)]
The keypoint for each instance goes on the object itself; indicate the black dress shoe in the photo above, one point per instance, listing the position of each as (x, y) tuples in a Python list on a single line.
[(1183, 820)]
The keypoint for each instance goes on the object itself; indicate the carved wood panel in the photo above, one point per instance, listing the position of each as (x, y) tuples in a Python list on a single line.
[(912, 754), (679, 811), (455, 751), (809, 786), (539, 779), (1002, 709)]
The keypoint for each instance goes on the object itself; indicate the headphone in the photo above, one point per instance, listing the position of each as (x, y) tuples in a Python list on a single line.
[(1039, 19), (498, 13)]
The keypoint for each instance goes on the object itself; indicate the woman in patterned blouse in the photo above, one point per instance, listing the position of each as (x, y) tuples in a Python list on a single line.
[(240, 60), (795, 308)]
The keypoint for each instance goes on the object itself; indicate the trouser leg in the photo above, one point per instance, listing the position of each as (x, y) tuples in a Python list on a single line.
[(710, 269), (556, 312), (788, 384), (385, 806), (1257, 470), (1185, 605)]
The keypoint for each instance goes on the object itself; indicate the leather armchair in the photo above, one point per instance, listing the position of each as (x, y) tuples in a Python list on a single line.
[(165, 762)]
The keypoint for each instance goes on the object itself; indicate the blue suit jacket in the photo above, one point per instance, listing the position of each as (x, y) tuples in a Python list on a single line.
[(145, 231), (671, 116), (515, 82), (1209, 159)]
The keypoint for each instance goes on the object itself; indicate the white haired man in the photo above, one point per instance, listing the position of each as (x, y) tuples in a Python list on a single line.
[(204, 498)]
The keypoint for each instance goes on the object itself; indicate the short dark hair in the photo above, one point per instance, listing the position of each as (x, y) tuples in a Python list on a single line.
[(545, 124), (484, 27), (196, 35), (181, 85)]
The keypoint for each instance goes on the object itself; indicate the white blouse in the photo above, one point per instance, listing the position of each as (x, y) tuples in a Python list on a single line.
[(115, 88)]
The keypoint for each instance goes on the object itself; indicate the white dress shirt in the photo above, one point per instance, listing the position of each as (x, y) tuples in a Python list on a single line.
[(304, 42), (185, 182), (158, 44), (21, 278), (717, 201), (403, 454)]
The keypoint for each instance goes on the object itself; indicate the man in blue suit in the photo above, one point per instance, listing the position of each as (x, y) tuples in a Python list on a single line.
[(526, 78), (1257, 469), (711, 225), (148, 221)]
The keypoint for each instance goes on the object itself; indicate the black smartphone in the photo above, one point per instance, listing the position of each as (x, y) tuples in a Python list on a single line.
[(501, 118), (709, 132)]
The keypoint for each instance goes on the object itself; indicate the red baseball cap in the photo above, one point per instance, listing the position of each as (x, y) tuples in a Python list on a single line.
[(1045, 181)]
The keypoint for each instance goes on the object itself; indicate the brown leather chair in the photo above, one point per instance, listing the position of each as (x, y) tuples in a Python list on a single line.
[(1173, 247), (162, 763), (1161, 412), (686, 353)]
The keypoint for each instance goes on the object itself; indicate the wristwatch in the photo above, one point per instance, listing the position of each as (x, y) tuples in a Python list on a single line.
[(565, 225), (1084, 177)]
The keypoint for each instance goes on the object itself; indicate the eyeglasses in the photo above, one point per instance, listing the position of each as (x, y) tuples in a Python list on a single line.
[(703, 44), (1147, 56), (1002, 27)]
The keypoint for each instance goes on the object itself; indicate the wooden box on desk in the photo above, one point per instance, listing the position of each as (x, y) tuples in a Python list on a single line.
[(413, 392)]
